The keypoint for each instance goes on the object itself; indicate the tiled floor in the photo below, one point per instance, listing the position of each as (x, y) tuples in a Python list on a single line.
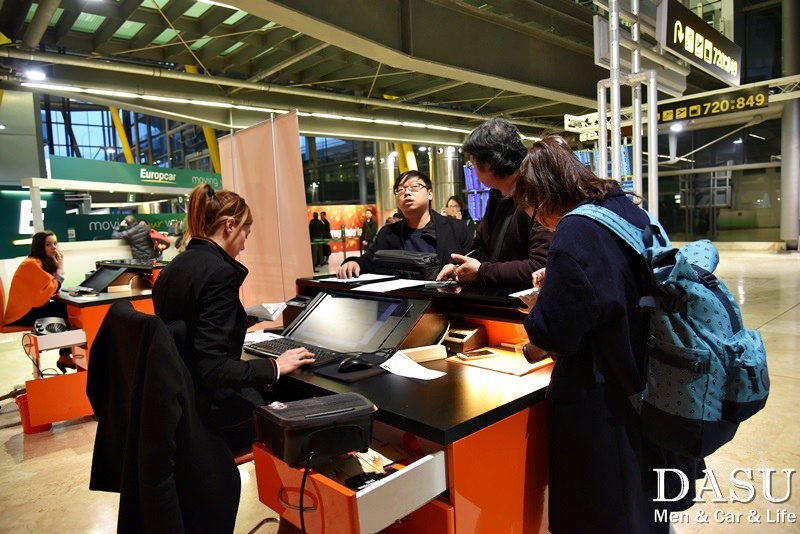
[(44, 477)]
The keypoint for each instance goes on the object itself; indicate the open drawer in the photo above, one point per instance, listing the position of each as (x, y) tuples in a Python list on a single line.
[(331, 507)]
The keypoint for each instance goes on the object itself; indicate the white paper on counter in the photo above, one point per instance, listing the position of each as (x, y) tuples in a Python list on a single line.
[(402, 365), (368, 277), (259, 335), (391, 285)]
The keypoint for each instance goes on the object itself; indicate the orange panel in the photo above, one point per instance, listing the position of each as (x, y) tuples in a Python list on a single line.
[(500, 331), (57, 398), (498, 475), (436, 517), (328, 506)]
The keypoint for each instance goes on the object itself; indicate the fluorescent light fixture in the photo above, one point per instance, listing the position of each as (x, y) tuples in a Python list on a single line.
[(737, 141), (106, 92), (169, 99), (35, 75), (53, 87), (2, 126), (211, 103), (758, 137), (676, 127)]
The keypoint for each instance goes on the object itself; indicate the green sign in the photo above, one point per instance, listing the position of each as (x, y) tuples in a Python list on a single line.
[(713, 105), (94, 226), (16, 219), (91, 170)]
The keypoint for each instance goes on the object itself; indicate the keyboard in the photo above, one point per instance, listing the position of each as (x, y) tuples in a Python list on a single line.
[(275, 347), (80, 290)]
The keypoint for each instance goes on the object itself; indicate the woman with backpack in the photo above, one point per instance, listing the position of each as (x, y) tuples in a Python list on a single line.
[(602, 476)]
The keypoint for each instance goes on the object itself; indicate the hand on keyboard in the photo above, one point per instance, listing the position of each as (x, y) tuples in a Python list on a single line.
[(294, 358)]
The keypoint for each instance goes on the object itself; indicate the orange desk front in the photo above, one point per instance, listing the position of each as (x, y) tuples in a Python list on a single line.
[(61, 397)]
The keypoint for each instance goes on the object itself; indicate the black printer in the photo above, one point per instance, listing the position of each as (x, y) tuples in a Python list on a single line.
[(312, 430)]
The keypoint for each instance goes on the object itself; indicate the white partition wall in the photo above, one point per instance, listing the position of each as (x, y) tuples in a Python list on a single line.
[(263, 164)]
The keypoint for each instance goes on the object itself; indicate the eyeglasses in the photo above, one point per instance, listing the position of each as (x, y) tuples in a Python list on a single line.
[(414, 188)]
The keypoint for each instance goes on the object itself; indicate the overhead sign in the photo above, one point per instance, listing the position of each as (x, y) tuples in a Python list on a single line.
[(688, 36), (91, 170), (713, 105)]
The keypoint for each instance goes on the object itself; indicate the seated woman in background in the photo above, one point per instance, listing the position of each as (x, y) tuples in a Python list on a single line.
[(37, 279), (421, 229), (454, 207)]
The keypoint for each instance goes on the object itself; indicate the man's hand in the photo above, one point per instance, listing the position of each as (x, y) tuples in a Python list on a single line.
[(467, 271), (448, 272), (351, 269)]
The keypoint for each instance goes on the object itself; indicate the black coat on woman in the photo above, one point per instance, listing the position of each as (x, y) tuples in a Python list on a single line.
[(445, 234), (201, 287), (601, 467)]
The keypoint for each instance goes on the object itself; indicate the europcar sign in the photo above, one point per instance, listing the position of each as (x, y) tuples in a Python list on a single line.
[(90, 170), (688, 36)]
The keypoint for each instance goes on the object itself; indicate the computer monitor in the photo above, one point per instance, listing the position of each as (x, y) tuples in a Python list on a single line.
[(102, 278), (346, 322)]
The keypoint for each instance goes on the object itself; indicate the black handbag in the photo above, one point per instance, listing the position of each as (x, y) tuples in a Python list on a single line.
[(407, 264)]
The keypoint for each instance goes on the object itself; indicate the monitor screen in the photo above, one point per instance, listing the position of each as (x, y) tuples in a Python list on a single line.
[(102, 278), (349, 324)]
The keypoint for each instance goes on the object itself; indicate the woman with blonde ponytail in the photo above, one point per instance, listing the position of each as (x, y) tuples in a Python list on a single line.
[(201, 287)]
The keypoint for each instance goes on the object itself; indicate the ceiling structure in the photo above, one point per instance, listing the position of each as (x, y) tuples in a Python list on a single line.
[(425, 71)]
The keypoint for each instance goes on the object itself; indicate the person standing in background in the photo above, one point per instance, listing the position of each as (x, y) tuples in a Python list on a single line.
[(36, 281), (138, 237), (509, 246), (326, 248), (316, 232), (601, 466), (369, 229), (201, 288)]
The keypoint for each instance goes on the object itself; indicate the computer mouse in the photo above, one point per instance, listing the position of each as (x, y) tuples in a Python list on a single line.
[(354, 363)]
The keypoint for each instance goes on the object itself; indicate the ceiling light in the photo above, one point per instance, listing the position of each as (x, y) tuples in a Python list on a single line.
[(676, 127), (737, 141), (35, 74), (2, 126), (758, 137)]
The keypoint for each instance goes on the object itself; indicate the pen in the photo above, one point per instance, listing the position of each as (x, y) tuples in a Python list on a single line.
[(468, 254)]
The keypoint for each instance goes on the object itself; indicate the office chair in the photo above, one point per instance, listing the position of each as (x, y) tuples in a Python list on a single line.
[(153, 445), (9, 329)]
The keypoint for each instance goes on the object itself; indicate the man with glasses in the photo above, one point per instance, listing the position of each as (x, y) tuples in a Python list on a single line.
[(509, 247), (421, 230)]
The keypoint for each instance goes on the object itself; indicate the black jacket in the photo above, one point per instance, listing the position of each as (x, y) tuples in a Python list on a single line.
[(523, 250), (154, 444), (201, 288), (450, 235), (138, 237)]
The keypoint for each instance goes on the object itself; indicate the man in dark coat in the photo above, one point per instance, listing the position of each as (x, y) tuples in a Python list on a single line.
[(509, 247), (138, 237)]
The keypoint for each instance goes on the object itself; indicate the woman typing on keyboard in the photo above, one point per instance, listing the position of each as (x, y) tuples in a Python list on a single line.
[(201, 287)]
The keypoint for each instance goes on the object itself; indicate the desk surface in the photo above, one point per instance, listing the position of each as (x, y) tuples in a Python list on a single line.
[(472, 301), (104, 298), (442, 410)]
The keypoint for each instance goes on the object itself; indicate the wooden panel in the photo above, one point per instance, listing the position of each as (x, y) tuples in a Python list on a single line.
[(263, 164)]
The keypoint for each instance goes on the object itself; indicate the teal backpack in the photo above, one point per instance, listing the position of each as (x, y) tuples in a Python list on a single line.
[(706, 373)]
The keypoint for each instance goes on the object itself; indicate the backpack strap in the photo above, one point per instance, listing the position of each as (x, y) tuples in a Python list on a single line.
[(638, 239)]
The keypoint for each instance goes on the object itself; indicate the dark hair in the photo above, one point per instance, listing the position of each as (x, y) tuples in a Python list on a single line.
[(457, 200), (553, 179), (38, 251), (208, 210), (412, 174), (497, 143)]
